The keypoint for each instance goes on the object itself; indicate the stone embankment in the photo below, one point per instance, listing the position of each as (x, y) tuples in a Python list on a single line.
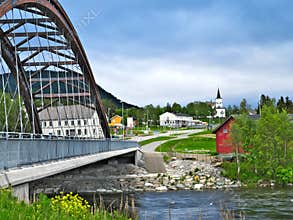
[(180, 175), (117, 178)]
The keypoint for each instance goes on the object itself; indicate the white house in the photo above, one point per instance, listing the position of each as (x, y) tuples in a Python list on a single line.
[(73, 120), (176, 120), (220, 110)]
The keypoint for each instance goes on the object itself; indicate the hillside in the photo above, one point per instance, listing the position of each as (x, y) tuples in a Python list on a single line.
[(109, 100), (114, 100)]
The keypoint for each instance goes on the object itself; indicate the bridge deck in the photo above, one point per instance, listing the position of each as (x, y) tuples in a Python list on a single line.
[(18, 176), (20, 152)]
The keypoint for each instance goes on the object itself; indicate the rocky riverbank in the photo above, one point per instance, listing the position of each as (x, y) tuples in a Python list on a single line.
[(117, 178), (180, 175)]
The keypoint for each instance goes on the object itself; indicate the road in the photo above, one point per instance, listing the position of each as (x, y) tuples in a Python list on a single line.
[(154, 162), (150, 148)]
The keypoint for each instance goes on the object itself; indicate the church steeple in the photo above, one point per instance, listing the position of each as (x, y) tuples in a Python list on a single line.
[(219, 94), (219, 107)]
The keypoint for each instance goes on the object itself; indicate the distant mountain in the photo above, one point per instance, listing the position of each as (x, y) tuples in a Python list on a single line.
[(114, 100), (109, 100)]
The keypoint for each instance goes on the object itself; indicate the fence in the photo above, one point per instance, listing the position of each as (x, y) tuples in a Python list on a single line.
[(200, 157), (16, 153)]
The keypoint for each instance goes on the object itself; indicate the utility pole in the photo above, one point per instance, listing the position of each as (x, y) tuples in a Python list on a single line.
[(122, 122)]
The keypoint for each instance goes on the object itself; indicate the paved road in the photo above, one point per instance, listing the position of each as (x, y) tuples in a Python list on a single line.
[(168, 133), (152, 146)]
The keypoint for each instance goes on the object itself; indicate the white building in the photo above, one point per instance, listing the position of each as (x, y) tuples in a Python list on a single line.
[(220, 110), (176, 120), (74, 120)]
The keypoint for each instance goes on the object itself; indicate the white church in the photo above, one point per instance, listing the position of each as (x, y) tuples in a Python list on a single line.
[(220, 110)]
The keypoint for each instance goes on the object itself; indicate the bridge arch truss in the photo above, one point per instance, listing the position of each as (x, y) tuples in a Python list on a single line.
[(43, 66)]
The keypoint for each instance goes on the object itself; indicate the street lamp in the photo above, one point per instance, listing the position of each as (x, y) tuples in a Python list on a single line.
[(122, 120)]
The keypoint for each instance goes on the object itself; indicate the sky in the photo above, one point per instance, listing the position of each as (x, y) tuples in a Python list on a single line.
[(159, 51)]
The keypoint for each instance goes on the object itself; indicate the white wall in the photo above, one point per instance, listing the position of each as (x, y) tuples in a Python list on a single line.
[(86, 128), (171, 120)]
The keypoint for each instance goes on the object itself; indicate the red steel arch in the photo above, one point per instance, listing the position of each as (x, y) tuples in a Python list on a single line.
[(52, 9)]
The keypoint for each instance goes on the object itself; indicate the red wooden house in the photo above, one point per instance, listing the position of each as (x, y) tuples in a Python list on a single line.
[(223, 141)]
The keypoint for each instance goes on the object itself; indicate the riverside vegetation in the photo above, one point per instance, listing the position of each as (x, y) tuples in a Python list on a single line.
[(268, 143), (62, 206)]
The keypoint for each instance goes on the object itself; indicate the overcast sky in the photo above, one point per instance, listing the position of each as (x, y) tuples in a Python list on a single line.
[(159, 51)]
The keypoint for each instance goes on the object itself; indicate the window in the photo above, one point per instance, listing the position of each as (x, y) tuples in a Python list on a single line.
[(225, 130), (45, 124), (58, 132), (51, 123), (94, 131), (67, 132), (66, 123), (85, 122), (72, 123), (79, 122), (79, 131), (59, 123), (85, 132)]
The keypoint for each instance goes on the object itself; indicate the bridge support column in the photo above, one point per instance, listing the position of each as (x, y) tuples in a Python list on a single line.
[(21, 192)]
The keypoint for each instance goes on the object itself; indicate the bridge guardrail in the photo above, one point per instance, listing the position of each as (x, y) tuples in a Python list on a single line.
[(16, 153)]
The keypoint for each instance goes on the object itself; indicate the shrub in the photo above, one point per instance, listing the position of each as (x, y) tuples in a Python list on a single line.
[(284, 175), (71, 205)]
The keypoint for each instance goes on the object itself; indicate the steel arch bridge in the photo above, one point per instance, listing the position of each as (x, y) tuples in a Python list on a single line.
[(44, 69)]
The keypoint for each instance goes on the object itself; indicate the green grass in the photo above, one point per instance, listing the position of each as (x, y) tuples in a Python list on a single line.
[(200, 133), (189, 145), (64, 209), (162, 138)]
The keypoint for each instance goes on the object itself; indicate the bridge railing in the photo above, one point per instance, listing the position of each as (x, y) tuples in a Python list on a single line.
[(16, 153)]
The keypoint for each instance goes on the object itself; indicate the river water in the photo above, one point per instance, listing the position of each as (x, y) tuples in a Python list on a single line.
[(260, 204), (252, 203)]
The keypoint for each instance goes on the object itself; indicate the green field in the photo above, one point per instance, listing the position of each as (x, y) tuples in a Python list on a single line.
[(198, 145), (200, 133), (162, 138)]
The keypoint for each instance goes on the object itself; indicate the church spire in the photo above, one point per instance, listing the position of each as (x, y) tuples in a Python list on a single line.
[(218, 94)]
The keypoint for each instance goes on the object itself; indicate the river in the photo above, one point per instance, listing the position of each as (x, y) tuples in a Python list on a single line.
[(252, 203), (264, 203)]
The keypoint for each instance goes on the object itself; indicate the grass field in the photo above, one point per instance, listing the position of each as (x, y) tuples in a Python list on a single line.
[(197, 145), (200, 133), (162, 138)]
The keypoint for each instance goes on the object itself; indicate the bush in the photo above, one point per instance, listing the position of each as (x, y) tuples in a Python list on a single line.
[(61, 207), (284, 175), (70, 205)]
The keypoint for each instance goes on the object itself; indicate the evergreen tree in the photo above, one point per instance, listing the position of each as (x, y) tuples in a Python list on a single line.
[(243, 107), (168, 107), (176, 108), (281, 105)]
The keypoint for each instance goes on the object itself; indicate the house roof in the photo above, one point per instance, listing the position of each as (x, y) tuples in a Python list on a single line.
[(218, 94), (221, 125), (116, 116), (66, 112), (181, 114), (232, 117)]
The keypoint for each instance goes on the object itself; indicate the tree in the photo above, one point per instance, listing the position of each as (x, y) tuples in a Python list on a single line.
[(235, 110), (176, 108), (243, 107), (289, 105), (168, 107), (281, 105), (274, 132), (10, 110), (229, 110), (242, 135)]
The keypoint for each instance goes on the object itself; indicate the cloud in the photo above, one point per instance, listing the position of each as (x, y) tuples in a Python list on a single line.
[(166, 51), (187, 77)]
